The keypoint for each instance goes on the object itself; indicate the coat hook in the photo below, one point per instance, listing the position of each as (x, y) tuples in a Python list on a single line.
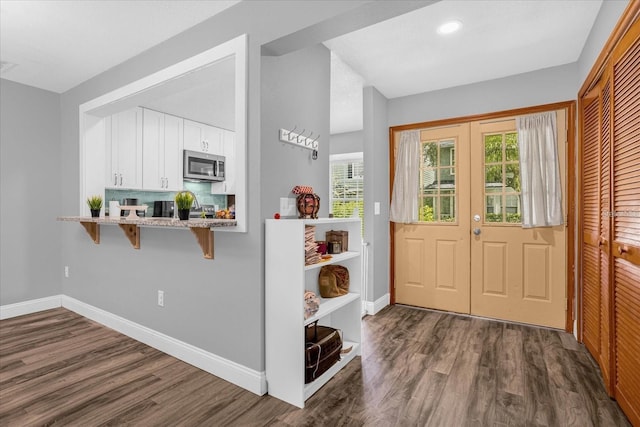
[(314, 156), (307, 140), (291, 131), (300, 135)]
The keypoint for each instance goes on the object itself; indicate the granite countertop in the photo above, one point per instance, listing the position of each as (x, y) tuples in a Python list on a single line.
[(155, 221)]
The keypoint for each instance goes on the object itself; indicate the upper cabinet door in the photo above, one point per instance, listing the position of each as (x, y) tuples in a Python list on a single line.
[(126, 149), (228, 186), (153, 150), (173, 143), (162, 150), (201, 137)]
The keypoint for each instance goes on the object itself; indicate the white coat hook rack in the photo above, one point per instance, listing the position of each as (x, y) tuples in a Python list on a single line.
[(299, 139)]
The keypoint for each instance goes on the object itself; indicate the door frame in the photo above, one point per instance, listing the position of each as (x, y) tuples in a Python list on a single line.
[(571, 187)]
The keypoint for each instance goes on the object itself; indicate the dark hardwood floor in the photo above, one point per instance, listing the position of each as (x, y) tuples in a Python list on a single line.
[(418, 368)]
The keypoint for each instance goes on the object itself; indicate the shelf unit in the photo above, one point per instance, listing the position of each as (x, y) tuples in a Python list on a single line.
[(286, 279)]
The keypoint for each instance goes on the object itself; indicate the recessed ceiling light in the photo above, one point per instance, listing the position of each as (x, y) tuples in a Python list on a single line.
[(449, 27)]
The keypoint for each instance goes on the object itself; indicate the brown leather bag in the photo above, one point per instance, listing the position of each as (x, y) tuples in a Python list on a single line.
[(333, 281)]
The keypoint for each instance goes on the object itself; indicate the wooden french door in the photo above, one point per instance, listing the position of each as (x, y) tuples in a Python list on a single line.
[(432, 257), (518, 274), (469, 182)]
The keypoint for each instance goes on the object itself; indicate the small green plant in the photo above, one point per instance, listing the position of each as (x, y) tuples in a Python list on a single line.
[(95, 203), (184, 200)]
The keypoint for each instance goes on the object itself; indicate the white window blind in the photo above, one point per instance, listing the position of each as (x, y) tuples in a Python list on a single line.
[(346, 185)]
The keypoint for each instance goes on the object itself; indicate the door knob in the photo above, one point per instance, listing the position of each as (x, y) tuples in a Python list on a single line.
[(476, 231), (476, 218)]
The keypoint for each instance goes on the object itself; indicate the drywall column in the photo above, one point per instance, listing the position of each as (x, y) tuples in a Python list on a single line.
[(295, 93), (376, 190)]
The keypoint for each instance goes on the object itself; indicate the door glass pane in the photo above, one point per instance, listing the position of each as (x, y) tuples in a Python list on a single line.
[(445, 153), (438, 181), (447, 208), (512, 177), (493, 177), (512, 208), (493, 209), (447, 181), (493, 148), (511, 146), (429, 179), (502, 178), (427, 210), (430, 154)]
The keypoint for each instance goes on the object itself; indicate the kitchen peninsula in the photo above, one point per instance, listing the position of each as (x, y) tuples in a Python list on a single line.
[(200, 227)]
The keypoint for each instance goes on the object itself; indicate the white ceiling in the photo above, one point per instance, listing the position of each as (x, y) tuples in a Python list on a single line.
[(56, 45), (60, 44), (405, 55)]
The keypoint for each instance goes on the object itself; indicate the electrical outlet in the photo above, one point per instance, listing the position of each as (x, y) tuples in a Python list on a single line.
[(66, 271), (287, 206), (161, 298)]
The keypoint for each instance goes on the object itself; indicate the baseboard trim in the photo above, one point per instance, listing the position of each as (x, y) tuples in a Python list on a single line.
[(28, 307), (374, 307), (249, 379)]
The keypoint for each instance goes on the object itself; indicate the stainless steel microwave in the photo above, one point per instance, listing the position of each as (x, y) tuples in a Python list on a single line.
[(203, 166)]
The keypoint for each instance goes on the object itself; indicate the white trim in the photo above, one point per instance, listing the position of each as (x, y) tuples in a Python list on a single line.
[(249, 379), (28, 307), (233, 372), (237, 46), (374, 307), (355, 156)]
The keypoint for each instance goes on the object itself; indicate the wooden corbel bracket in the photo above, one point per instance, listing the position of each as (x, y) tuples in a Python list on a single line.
[(204, 235), (133, 234), (93, 229)]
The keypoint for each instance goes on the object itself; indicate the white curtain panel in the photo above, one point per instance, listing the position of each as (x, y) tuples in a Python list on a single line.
[(539, 170), (404, 198)]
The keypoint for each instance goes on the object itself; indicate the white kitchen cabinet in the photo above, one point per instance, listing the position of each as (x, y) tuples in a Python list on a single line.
[(162, 141), (124, 149), (228, 186), (201, 137), (286, 278)]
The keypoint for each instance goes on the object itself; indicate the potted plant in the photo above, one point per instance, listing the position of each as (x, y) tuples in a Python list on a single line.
[(95, 204), (184, 200)]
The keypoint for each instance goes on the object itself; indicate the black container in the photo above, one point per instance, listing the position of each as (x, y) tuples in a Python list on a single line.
[(163, 209)]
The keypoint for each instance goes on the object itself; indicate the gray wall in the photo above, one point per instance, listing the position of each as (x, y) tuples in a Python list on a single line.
[(29, 193), (216, 305), (376, 189), (608, 16), (347, 142), (295, 92), (523, 90)]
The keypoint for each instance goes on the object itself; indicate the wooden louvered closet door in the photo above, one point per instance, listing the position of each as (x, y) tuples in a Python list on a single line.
[(595, 225), (625, 248), (610, 217)]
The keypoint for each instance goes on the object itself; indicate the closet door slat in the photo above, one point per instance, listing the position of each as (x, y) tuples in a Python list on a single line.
[(625, 232)]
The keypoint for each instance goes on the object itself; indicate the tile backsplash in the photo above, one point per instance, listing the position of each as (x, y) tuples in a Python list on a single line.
[(202, 190)]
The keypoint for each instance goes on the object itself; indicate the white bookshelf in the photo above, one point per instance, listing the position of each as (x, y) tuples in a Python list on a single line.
[(286, 279)]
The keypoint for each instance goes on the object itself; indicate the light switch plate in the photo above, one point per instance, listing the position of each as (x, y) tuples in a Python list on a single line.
[(287, 206), (376, 208)]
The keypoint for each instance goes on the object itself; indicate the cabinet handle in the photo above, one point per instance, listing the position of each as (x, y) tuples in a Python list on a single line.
[(623, 249), (115, 179), (121, 180), (166, 182)]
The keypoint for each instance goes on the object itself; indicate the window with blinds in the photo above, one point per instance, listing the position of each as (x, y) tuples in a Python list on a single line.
[(346, 185)]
